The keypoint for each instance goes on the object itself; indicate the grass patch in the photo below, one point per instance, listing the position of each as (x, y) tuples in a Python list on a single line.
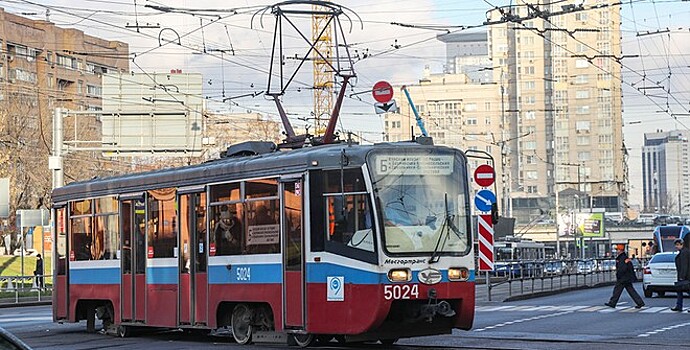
[(12, 266)]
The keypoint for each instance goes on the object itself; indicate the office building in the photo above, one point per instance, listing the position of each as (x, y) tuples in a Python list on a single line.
[(665, 173)]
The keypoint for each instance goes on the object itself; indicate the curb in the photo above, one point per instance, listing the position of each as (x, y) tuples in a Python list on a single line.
[(559, 291), (25, 303)]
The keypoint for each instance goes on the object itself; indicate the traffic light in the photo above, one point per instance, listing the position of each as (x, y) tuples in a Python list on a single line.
[(494, 213)]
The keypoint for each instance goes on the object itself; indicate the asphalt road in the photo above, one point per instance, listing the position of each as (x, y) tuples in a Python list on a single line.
[(573, 320)]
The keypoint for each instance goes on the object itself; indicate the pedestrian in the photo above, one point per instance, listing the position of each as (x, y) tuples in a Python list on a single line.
[(38, 271), (682, 272), (625, 276)]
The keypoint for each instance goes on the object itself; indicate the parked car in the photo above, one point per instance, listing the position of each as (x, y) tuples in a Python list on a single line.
[(505, 269), (607, 265), (660, 274), (530, 269), (552, 268), (646, 219), (586, 266)]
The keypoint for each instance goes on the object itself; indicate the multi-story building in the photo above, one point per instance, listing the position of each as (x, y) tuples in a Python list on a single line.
[(456, 113), (42, 67), (468, 53), (564, 101), (665, 173)]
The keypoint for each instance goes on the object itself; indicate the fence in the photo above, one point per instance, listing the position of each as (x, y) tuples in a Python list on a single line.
[(515, 278), (22, 289)]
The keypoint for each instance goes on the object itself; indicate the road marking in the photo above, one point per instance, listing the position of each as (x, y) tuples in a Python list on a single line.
[(578, 308), (523, 320), (610, 309), (661, 330), (574, 308), (496, 308), (634, 309)]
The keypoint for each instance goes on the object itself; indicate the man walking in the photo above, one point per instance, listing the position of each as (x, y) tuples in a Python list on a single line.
[(683, 273), (625, 276), (38, 271)]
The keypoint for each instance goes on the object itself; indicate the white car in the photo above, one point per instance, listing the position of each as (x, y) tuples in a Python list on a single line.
[(660, 274)]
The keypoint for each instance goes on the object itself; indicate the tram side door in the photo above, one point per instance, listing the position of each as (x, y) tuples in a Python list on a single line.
[(133, 219), (193, 277), (294, 291)]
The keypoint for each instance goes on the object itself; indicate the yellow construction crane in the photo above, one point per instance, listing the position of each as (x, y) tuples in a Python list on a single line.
[(323, 73)]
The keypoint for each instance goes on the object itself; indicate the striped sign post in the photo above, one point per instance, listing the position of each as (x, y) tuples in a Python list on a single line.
[(486, 243)]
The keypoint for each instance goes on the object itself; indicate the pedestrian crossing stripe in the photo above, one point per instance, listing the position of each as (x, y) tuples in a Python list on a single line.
[(575, 308)]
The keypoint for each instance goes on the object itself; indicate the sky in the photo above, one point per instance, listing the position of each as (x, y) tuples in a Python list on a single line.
[(381, 50)]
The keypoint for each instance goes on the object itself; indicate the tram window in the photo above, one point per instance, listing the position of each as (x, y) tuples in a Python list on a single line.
[(80, 208), (80, 238), (353, 181), (349, 221), (106, 205), (61, 248), (227, 234), (261, 188), (225, 192), (200, 199), (162, 224), (263, 229), (106, 238), (106, 235)]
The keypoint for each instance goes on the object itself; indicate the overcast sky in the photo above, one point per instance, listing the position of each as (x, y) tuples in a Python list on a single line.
[(246, 70)]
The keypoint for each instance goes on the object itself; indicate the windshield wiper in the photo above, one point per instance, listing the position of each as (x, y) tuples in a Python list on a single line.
[(447, 221)]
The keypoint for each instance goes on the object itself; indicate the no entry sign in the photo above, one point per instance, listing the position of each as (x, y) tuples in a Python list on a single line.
[(382, 92), (484, 175)]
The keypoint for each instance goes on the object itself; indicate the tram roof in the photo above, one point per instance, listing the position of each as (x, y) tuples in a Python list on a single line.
[(223, 169)]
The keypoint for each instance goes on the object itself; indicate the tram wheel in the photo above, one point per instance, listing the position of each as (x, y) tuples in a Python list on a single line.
[(388, 342), (241, 323), (304, 340), (123, 331), (324, 339)]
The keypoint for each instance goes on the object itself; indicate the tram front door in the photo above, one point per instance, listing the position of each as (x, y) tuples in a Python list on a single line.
[(294, 292), (133, 219), (193, 277)]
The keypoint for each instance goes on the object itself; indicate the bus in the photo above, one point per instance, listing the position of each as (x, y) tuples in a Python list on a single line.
[(338, 242), (513, 250), (665, 235)]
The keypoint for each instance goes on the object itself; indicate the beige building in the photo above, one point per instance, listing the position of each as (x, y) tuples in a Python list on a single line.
[(224, 130), (456, 113), (562, 89)]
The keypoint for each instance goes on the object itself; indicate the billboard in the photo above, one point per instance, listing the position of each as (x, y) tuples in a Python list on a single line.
[(159, 113), (581, 224), (590, 224)]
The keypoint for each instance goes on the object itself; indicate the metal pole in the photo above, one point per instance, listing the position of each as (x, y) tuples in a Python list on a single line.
[(555, 185), (55, 160), (488, 285)]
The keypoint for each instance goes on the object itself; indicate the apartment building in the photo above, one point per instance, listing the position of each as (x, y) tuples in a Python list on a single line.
[(564, 105), (456, 113), (42, 67)]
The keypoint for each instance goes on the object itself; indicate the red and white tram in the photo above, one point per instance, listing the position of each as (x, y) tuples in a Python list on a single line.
[(346, 242)]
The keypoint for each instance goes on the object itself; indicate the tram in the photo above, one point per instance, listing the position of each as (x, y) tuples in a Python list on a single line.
[(664, 236), (340, 241)]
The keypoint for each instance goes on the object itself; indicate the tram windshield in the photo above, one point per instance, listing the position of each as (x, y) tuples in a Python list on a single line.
[(422, 196)]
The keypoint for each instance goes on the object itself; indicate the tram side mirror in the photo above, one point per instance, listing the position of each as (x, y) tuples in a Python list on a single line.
[(494, 213)]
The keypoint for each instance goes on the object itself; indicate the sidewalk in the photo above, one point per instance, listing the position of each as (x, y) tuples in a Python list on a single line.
[(520, 289)]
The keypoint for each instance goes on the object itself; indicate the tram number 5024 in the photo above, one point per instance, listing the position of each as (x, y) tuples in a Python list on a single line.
[(404, 291), (244, 274)]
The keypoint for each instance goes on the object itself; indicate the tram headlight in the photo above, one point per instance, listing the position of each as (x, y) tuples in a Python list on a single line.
[(458, 274), (400, 275)]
